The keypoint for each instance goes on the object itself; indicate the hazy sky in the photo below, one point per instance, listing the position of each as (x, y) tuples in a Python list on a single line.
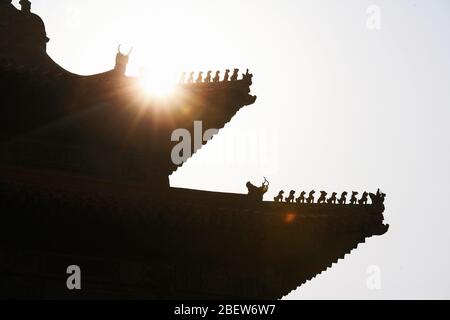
[(345, 102)]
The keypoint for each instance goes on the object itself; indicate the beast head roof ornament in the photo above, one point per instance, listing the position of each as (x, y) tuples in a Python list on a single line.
[(122, 60), (25, 5), (120, 51)]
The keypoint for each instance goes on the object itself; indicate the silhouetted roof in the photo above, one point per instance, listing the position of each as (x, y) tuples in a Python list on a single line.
[(193, 244), (23, 35)]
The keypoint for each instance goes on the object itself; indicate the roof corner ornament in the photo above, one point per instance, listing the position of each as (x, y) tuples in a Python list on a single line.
[(228, 77), (208, 77), (247, 76), (200, 77), (217, 76), (122, 60), (376, 198), (235, 75), (257, 193), (25, 6)]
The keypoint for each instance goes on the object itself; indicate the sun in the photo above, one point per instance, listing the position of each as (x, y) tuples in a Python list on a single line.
[(156, 84)]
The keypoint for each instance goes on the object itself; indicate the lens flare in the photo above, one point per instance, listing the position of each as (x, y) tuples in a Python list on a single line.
[(156, 86), (289, 217)]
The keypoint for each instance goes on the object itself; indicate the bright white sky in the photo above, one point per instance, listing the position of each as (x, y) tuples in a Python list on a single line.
[(340, 107)]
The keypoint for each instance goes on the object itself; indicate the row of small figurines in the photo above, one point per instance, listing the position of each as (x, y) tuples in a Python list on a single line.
[(323, 198), (209, 78)]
